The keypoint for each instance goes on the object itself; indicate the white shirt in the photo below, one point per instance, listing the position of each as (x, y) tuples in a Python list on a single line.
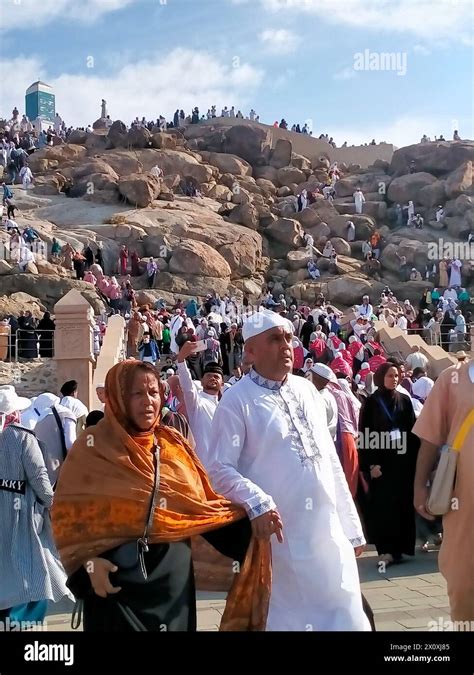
[(402, 323), (200, 408), (293, 467), (331, 411), (365, 310)]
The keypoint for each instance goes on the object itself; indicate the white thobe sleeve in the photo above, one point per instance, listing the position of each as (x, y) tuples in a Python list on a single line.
[(225, 448), (190, 390), (70, 432), (346, 509)]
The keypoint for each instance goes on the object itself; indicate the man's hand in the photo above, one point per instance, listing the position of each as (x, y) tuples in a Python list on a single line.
[(375, 471), (420, 501), (186, 350), (270, 523), (359, 550), (99, 570)]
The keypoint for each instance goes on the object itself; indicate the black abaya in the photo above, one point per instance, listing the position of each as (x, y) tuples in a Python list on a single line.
[(390, 511)]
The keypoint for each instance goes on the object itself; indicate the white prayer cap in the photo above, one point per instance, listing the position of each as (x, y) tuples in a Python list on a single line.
[(100, 385), (407, 302), (332, 335), (353, 338), (341, 347), (263, 320), (365, 366), (323, 371), (211, 332)]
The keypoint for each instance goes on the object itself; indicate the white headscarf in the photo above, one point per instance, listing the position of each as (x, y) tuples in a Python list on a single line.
[(76, 406), (39, 405)]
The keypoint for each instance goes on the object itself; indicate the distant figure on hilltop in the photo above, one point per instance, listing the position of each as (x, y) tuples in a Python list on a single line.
[(456, 136), (103, 112)]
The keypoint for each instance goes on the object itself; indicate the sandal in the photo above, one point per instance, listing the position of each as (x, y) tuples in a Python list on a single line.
[(425, 547)]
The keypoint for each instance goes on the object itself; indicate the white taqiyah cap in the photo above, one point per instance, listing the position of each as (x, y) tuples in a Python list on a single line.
[(324, 371), (263, 320)]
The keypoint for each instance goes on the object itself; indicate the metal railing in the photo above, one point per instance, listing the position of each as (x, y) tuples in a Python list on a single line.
[(27, 344)]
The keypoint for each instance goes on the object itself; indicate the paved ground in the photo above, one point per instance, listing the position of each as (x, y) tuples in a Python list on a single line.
[(406, 598)]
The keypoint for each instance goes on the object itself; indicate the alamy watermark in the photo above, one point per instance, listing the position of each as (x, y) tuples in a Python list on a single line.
[(383, 440), (381, 61), (462, 250)]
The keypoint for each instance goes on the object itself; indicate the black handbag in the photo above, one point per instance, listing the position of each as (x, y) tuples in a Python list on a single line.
[(130, 557)]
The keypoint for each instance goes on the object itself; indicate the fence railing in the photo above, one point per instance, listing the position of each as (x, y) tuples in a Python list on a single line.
[(27, 343)]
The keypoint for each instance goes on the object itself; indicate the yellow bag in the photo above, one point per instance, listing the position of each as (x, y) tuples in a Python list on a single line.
[(441, 493)]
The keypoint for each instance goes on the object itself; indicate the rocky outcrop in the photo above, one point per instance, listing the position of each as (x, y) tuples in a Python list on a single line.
[(407, 187), (281, 154), (286, 231), (246, 142), (245, 214), (437, 158), (197, 258), (50, 289), (140, 189), (459, 182), (227, 163)]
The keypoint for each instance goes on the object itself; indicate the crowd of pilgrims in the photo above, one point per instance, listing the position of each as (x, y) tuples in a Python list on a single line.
[(364, 389)]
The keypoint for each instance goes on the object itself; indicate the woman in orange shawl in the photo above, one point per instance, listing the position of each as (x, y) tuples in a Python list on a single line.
[(102, 501)]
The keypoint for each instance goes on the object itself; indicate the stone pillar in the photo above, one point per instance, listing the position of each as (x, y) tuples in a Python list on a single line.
[(110, 353), (73, 343)]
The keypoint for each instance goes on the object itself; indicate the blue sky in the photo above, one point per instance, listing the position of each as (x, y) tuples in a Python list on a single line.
[(286, 58)]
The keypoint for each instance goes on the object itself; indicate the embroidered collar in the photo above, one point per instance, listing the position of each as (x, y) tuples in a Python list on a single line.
[(273, 385)]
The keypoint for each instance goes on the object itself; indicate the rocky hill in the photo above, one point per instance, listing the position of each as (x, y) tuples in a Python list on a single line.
[(244, 231)]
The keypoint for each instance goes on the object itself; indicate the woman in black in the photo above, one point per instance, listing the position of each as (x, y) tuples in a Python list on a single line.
[(306, 330), (45, 329), (447, 324), (387, 453)]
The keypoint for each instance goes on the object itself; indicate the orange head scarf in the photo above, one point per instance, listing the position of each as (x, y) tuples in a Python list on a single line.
[(104, 491)]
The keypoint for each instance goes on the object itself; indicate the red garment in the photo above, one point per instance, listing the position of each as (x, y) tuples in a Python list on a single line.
[(350, 461), (372, 346), (375, 362), (347, 356), (317, 348), (298, 357), (363, 374), (335, 341), (340, 365), (354, 348), (123, 262)]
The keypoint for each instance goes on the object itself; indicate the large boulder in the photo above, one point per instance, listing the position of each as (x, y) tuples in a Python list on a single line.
[(5, 267), (197, 258), (368, 182), (281, 154), (416, 253), (117, 136), (266, 186), (247, 142), (78, 137), (267, 172), (300, 162), (245, 258), (50, 289), (95, 165), (245, 214), (433, 194), (459, 182), (407, 187), (308, 218), (298, 260), (290, 174), (437, 158), (140, 189), (227, 163), (348, 290), (341, 246), (286, 231), (138, 138), (49, 185), (178, 162), (462, 204), (458, 227), (163, 141)]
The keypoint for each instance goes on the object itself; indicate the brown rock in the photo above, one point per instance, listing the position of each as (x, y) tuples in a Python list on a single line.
[(163, 141), (267, 172), (286, 231), (432, 195), (300, 162), (197, 258), (281, 154), (436, 158), (368, 182), (227, 163), (459, 182), (407, 187), (284, 191), (117, 136), (78, 137), (247, 142), (245, 214), (290, 174), (140, 189), (138, 138), (298, 259), (341, 246), (266, 185)]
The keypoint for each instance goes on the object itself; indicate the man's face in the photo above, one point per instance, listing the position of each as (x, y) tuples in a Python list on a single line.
[(100, 391), (271, 353), (212, 383)]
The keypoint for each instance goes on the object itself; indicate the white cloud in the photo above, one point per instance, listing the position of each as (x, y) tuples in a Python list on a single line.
[(33, 13), (421, 49), (429, 19), (279, 41), (184, 79), (347, 73)]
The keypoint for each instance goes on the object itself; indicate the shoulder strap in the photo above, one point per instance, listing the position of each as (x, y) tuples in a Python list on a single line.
[(156, 487), (61, 431), (463, 431)]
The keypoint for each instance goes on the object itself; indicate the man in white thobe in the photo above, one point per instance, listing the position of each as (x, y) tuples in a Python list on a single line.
[(201, 401), (455, 273), (175, 324), (271, 452), (359, 200), (321, 375)]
